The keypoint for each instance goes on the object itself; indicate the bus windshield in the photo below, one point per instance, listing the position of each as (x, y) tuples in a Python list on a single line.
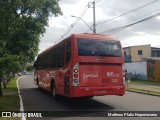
[(94, 47)]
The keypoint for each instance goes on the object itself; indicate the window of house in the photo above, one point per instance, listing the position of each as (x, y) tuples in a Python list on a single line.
[(140, 52), (158, 54)]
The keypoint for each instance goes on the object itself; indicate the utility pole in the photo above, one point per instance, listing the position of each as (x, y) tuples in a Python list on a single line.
[(94, 18), (94, 15)]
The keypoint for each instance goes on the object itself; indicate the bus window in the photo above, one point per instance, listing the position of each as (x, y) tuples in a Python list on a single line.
[(68, 52), (35, 65), (60, 60), (54, 58), (39, 60), (93, 47)]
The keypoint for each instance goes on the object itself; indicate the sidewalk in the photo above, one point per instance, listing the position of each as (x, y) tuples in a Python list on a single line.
[(143, 88)]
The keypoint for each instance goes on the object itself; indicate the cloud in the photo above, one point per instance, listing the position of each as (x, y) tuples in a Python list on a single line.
[(68, 1), (149, 27), (105, 10)]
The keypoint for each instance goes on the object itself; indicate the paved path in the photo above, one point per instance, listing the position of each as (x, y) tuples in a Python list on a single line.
[(36, 100)]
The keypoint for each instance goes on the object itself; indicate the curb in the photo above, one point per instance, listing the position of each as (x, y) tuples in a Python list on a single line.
[(21, 101), (143, 93)]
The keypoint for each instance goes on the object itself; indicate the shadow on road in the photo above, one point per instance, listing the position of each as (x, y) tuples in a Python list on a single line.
[(35, 99), (80, 103)]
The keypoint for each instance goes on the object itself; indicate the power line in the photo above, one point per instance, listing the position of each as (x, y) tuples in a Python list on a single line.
[(128, 12), (113, 29), (124, 13), (76, 21), (129, 25), (91, 27)]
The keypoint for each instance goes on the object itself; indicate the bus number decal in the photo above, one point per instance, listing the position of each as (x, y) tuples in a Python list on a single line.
[(111, 74)]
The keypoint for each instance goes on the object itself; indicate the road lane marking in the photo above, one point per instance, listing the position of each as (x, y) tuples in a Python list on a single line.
[(21, 101)]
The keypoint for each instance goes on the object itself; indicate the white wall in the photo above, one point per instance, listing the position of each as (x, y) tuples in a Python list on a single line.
[(137, 69)]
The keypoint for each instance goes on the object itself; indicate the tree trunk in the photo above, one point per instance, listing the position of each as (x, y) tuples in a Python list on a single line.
[(1, 94), (4, 84)]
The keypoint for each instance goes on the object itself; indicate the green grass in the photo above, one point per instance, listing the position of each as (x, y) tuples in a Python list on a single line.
[(145, 82), (144, 91), (10, 99), (11, 86)]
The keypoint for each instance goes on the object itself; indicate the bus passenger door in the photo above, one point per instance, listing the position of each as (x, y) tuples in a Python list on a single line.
[(67, 69), (60, 69)]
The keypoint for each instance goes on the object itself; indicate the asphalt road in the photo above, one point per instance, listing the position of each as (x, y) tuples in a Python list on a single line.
[(39, 100)]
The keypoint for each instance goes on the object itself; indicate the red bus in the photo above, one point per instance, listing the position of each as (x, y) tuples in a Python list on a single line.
[(82, 65)]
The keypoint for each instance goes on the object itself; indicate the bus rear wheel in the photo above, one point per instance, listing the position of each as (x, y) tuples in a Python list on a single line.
[(53, 91), (38, 83)]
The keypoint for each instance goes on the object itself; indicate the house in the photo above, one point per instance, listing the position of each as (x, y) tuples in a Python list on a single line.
[(146, 59), (137, 53), (153, 68), (155, 52)]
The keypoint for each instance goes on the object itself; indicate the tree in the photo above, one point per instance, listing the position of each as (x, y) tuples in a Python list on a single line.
[(22, 22)]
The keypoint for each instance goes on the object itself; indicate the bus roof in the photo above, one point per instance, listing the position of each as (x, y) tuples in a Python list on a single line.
[(95, 36), (83, 35)]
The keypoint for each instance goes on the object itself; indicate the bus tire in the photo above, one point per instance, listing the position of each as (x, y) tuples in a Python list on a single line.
[(88, 97), (53, 91), (37, 83)]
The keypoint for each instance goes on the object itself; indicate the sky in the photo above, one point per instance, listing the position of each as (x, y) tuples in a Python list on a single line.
[(147, 32)]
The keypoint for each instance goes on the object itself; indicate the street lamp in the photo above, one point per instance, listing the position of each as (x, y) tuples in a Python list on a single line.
[(83, 21)]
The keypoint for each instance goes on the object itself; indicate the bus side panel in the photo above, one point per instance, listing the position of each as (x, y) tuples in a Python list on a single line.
[(43, 79), (59, 81)]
